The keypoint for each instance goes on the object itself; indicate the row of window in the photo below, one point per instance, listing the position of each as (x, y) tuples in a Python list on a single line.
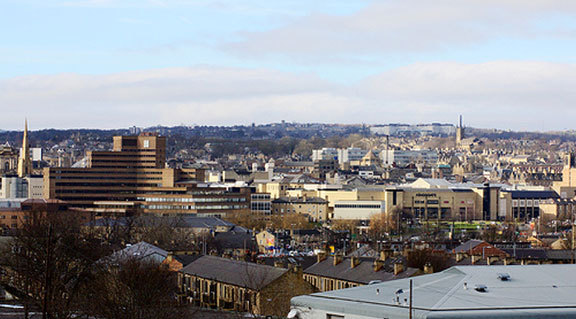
[(192, 207), (358, 206), (195, 200)]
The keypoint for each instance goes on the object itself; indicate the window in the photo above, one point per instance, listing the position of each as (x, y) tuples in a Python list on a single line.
[(146, 144)]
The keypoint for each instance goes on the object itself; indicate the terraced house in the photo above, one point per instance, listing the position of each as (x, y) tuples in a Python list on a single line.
[(226, 284)]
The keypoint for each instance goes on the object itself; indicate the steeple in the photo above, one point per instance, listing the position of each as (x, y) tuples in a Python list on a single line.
[(459, 134), (24, 163)]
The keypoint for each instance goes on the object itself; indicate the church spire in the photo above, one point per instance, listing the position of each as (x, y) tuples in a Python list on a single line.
[(24, 163)]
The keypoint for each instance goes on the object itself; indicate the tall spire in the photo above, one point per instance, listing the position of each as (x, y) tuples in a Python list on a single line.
[(24, 163)]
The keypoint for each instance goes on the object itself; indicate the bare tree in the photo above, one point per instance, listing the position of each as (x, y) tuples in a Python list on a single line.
[(49, 259), (131, 288)]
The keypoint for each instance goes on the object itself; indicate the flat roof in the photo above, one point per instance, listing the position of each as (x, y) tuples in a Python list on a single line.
[(532, 291)]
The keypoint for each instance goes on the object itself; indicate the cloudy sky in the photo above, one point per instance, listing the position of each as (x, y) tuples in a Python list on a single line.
[(507, 64)]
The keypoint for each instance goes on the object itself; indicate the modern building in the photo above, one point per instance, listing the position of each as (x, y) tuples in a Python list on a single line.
[(135, 173), (523, 205), (404, 158), (357, 210), (261, 204), (532, 291), (21, 187), (326, 153), (428, 198), (422, 129)]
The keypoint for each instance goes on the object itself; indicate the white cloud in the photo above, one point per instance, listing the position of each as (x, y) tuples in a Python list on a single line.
[(390, 26), (502, 94), (203, 95)]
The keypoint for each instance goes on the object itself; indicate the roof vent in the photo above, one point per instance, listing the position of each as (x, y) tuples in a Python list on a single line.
[(481, 288), (504, 276)]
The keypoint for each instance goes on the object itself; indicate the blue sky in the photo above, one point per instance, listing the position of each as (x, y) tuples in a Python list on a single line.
[(116, 63)]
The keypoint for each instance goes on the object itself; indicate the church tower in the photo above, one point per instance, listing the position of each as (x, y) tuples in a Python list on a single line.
[(459, 134), (24, 162)]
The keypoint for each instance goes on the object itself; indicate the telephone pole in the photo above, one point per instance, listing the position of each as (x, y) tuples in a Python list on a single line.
[(410, 307)]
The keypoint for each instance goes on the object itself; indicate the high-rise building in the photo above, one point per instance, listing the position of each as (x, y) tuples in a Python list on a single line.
[(24, 162), (133, 177)]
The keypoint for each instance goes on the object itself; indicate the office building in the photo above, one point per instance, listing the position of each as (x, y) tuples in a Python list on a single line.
[(134, 176)]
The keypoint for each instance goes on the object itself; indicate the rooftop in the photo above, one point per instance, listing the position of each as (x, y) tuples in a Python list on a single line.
[(537, 290)]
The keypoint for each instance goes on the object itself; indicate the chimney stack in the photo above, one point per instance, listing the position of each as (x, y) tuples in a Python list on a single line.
[(354, 261), (398, 268), (337, 259), (321, 256), (378, 264), (459, 257)]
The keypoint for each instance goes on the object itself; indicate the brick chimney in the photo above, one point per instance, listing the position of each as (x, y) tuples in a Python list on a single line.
[(386, 253), (354, 261), (398, 268), (492, 259), (460, 256), (321, 256), (378, 264), (337, 259)]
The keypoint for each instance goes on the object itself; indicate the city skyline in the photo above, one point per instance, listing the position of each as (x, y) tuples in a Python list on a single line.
[(111, 63)]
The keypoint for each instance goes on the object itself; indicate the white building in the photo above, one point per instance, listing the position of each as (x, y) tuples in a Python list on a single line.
[(326, 153), (347, 155), (357, 210), (406, 157), (519, 291), (423, 129), (16, 187)]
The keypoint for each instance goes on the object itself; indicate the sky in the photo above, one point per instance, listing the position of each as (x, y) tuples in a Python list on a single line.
[(507, 64)]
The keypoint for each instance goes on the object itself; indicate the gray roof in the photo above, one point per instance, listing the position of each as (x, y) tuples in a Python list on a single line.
[(141, 250), (234, 272), (467, 246), (363, 273), (534, 291)]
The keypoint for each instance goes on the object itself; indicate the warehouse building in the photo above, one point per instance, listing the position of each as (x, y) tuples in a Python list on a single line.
[(533, 291)]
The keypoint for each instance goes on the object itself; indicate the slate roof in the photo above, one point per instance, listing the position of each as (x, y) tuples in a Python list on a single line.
[(234, 272), (526, 253), (467, 246), (363, 273), (236, 240), (304, 261), (141, 250), (185, 260)]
